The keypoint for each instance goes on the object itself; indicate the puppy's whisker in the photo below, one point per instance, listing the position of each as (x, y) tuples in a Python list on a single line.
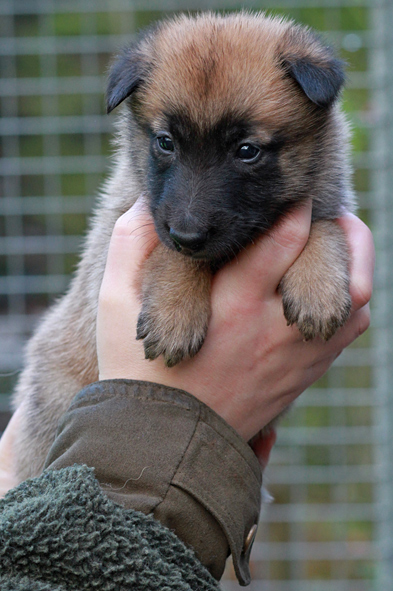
[(148, 243), (147, 225), (144, 233)]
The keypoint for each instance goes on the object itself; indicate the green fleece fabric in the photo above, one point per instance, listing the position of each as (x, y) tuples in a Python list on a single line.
[(60, 532)]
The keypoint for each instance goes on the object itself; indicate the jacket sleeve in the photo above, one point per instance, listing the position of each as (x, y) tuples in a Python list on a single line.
[(160, 451)]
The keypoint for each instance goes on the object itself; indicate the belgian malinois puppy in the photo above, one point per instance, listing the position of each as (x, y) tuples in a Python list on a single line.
[(227, 123)]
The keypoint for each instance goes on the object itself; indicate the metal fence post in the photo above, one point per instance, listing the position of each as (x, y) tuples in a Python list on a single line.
[(382, 79)]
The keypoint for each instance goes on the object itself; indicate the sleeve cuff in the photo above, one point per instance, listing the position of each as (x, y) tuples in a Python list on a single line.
[(161, 451)]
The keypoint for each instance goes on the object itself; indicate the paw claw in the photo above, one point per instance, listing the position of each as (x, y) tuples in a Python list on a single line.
[(151, 350), (173, 359), (142, 329), (164, 340), (324, 321)]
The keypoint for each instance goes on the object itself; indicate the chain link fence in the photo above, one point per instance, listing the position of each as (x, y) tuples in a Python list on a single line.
[(331, 525)]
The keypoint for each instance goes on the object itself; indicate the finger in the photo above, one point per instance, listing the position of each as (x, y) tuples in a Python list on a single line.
[(356, 325), (133, 239), (7, 476), (362, 252), (261, 266), (327, 353)]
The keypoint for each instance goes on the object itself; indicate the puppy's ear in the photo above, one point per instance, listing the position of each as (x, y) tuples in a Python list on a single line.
[(313, 66), (128, 71)]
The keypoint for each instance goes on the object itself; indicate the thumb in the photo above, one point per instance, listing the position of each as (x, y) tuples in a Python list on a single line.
[(132, 241), (7, 475)]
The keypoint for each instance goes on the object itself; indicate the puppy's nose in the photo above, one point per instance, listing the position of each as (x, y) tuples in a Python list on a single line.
[(188, 241)]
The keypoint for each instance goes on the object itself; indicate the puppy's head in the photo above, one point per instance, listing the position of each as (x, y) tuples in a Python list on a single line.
[(228, 120)]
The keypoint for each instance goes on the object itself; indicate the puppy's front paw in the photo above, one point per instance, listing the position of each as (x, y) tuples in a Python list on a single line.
[(317, 308), (315, 289), (175, 306), (175, 334)]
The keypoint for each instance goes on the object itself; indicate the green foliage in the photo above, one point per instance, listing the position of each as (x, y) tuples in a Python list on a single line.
[(26, 25), (29, 106), (70, 104), (31, 145), (27, 66), (71, 144), (72, 184), (66, 24)]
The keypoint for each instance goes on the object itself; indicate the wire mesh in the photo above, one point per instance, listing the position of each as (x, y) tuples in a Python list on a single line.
[(330, 527)]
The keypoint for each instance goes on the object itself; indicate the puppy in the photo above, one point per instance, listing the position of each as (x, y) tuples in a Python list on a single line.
[(228, 122)]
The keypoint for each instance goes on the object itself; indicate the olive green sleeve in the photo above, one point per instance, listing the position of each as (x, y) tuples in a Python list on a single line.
[(159, 450)]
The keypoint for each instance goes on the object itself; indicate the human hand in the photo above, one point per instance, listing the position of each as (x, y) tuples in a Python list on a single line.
[(252, 365)]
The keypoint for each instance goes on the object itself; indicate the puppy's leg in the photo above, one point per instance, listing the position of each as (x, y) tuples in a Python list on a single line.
[(175, 306), (43, 406), (60, 360), (315, 290)]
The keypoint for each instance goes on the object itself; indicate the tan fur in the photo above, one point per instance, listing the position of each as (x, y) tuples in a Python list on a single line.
[(207, 72), (207, 65), (176, 306), (318, 306)]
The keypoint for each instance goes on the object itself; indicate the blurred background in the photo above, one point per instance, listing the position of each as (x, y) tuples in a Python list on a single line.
[(330, 527)]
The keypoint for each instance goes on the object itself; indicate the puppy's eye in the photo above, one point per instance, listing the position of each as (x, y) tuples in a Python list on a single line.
[(248, 153), (165, 143)]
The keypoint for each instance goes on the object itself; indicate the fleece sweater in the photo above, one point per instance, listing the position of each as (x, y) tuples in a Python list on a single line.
[(60, 532)]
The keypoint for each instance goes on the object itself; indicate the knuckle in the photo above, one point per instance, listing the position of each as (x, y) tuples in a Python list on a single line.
[(134, 230), (236, 307), (122, 227), (292, 237), (243, 308), (292, 234), (361, 293), (364, 319)]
